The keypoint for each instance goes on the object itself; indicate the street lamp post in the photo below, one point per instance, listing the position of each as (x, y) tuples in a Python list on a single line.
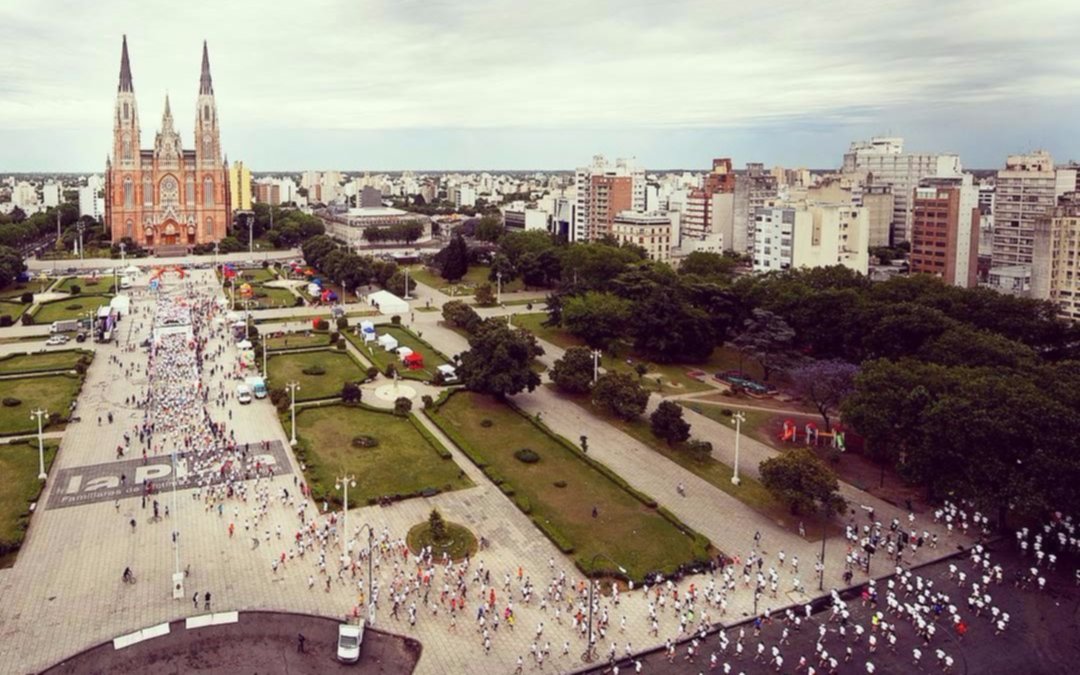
[(370, 597), (407, 284), (81, 227), (39, 413), (215, 253), (247, 318), (737, 419), (821, 572), (292, 387), (588, 656), (178, 576), (123, 253), (344, 483), (265, 373), (596, 365), (498, 287)]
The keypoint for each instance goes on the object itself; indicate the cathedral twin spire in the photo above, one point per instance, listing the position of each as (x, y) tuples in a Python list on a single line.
[(206, 83)]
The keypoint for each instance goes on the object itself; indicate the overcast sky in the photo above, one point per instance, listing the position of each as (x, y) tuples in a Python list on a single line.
[(504, 84)]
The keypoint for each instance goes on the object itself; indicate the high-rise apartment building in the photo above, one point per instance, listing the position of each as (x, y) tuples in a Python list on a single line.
[(702, 203), (50, 195), (603, 191), (945, 229), (811, 235), (1056, 258), (754, 189), (1026, 191), (882, 161), (239, 187)]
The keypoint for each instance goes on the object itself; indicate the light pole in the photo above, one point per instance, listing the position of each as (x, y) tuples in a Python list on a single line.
[(178, 576), (39, 413), (370, 597), (123, 253), (406, 283), (596, 365), (81, 227), (247, 318), (344, 483), (498, 288), (265, 374), (292, 387), (215, 253), (821, 572), (737, 419), (588, 656)]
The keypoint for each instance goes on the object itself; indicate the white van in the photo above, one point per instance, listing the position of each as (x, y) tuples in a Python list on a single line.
[(243, 394)]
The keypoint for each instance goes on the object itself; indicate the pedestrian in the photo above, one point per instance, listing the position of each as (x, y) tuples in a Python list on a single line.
[(195, 600), (206, 597), (300, 640)]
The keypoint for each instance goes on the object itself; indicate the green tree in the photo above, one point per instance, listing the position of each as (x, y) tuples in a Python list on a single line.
[(489, 229), (459, 314), (597, 318), (621, 394), (396, 284), (437, 526), (768, 339), (573, 372), (402, 406), (500, 360), (667, 423), (454, 259), (670, 329), (484, 295), (801, 480), (824, 384), (11, 265), (351, 392), (705, 264)]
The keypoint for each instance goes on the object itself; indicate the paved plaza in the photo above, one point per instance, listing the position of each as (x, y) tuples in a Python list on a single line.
[(245, 547)]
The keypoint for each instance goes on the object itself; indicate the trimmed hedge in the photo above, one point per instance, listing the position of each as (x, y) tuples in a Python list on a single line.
[(556, 537)]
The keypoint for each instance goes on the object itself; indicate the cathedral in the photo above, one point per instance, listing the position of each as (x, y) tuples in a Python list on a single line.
[(166, 198)]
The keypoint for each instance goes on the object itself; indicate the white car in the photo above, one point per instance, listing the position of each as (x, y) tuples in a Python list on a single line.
[(56, 340), (349, 640)]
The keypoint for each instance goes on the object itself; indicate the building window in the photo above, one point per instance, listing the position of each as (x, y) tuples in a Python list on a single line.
[(147, 191), (126, 143), (129, 192), (206, 113), (208, 191), (129, 229), (189, 190), (209, 227), (125, 110)]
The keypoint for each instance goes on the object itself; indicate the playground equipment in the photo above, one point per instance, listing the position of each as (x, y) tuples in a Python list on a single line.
[(246, 291), (811, 435)]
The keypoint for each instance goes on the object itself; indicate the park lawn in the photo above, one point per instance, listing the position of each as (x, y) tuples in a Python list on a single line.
[(339, 366), (41, 362), (86, 284), (298, 341), (406, 462), (271, 298), (75, 307), (53, 393), (406, 338), (476, 276), (19, 475), (13, 309), (756, 425), (255, 276), (635, 535), (673, 377), (15, 291)]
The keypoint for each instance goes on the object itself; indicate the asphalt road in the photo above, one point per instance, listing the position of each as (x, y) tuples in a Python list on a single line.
[(261, 642), (1043, 635)]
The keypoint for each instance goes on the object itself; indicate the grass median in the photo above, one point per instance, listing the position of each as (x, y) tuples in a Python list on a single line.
[(42, 362), (53, 393), (405, 461), (561, 490), (75, 307), (406, 338), (321, 373), (19, 466)]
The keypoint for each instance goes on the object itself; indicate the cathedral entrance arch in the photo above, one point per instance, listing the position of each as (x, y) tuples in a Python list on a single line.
[(170, 233)]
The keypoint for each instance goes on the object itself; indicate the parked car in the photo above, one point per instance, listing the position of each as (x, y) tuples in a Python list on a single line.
[(56, 340), (350, 637)]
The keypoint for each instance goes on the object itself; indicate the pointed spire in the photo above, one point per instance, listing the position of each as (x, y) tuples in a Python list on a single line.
[(206, 86), (125, 70), (167, 119)]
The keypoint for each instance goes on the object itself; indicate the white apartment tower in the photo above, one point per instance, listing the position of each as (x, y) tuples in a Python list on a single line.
[(811, 235), (1026, 191), (882, 161)]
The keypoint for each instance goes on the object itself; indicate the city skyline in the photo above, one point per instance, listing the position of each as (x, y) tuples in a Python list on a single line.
[(439, 86)]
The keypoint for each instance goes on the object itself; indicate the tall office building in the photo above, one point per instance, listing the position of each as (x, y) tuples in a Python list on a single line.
[(714, 198), (1055, 265), (882, 161), (603, 191), (945, 229), (1026, 191)]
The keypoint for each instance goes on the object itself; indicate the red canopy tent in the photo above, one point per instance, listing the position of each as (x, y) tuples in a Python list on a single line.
[(414, 361)]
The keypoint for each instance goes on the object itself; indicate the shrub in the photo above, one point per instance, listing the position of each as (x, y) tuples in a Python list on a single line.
[(402, 406), (322, 324), (11, 402), (26, 298), (298, 301), (396, 320), (314, 369), (342, 323), (73, 308), (527, 455), (5, 320), (559, 483), (27, 319), (372, 373), (523, 503), (341, 346), (390, 370), (429, 402), (699, 450), (726, 412), (76, 289), (364, 441), (280, 398), (486, 423), (351, 393)]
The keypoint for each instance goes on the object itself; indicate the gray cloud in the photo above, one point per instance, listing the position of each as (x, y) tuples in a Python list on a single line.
[(434, 66)]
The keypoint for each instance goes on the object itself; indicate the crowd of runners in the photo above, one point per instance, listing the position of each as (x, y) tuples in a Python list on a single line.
[(540, 609)]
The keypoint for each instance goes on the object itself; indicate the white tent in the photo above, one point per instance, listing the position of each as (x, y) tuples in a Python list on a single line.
[(388, 342), (243, 344), (122, 304), (387, 303), (367, 330), (403, 353), (131, 270)]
